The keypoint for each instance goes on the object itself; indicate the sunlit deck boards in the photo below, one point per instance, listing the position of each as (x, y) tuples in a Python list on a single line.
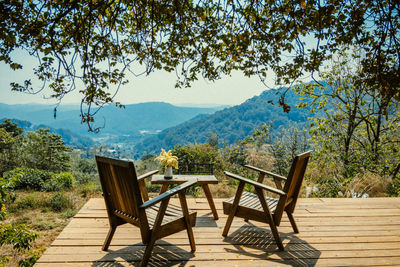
[(332, 232)]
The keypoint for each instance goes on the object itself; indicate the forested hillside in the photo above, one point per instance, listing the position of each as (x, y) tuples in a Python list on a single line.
[(230, 124), (70, 138)]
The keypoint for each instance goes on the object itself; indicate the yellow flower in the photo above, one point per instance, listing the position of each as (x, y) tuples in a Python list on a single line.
[(3, 207), (167, 159)]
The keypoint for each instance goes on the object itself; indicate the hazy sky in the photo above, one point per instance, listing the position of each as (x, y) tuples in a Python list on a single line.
[(158, 86)]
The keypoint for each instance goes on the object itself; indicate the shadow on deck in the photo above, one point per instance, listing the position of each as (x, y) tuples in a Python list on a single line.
[(332, 232)]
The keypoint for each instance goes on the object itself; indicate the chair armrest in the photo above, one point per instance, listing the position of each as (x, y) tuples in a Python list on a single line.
[(168, 194), (266, 172), (254, 183), (148, 174)]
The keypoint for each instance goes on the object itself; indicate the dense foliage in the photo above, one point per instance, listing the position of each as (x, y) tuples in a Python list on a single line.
[(72, 139), (97, 42), (35, 179), (39, 149), (356, 137), (36, 161)]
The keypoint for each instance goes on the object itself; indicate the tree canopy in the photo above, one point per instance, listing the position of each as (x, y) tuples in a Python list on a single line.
[(353, 128), (97, 42)]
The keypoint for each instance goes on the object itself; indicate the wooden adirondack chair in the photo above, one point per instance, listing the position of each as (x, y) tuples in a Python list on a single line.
[(127, 201), (259, 208)]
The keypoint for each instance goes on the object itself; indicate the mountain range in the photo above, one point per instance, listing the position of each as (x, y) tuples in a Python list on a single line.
[(230, 124), (134, 119), (145, 128)]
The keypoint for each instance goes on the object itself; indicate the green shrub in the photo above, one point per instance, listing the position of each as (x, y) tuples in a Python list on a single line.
[(51, 186), (59, 202), (65, 179), (19, 236), (329, 187), (194, 190), (23, 220), (33, 179), (394, 188), (43, 225), (6, 197), (32, 257), (153, 188), (82, 178), (58, 182), (16, 235), (69, 213), (90, 187), (27, 203), (27, 178)]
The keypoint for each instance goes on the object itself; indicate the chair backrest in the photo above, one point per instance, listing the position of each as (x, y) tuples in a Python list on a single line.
[(121, 190), (292, 186)]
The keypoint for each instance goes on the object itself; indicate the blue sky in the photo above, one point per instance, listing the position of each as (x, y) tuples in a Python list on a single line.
[(158, 86)]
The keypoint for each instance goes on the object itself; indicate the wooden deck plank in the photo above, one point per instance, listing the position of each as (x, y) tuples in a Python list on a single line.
[(55, 250), (202, 241), (282, 228), (384, 261), (332, 232), (135, 253), (215, 234), (207, 222), (301, 206)]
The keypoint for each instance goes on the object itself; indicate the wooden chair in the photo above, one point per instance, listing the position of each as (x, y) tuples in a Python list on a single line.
[(127, 201), (259, 208)]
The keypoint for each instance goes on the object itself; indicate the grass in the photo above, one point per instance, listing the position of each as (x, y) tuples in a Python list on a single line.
[(46, 213)]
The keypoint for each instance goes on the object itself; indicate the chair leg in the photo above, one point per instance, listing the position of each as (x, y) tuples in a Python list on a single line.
[(270, 219), (275, 233), (233, 209), (147, 252), (292, 222), (228, 224), (155, 232), (109, 237)]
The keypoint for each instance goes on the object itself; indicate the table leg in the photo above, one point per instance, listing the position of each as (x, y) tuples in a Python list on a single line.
[(210, 200), (164, 188)]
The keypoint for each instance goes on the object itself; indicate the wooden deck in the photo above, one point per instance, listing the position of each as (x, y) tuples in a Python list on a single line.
[(332, 232)]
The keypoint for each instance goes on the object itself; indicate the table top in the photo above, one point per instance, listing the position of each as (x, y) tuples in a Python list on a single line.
[(181, 178)]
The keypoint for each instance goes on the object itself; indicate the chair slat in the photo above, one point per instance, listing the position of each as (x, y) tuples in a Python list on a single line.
[(251, 201)]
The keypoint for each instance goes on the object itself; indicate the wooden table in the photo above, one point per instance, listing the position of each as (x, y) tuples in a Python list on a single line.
[(202, 180)]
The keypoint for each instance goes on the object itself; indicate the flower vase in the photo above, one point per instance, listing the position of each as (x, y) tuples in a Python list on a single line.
[(168, 172)]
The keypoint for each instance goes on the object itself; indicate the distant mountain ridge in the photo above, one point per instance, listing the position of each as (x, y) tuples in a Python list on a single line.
[(231, 124), (147, 127), (131, 120)]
